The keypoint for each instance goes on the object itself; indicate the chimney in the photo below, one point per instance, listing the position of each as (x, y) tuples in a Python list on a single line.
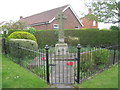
[(21, 17), (89, 11)]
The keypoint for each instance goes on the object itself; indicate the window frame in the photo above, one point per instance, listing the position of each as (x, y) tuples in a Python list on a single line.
[(94, 23), (77, 27), (54, 27)]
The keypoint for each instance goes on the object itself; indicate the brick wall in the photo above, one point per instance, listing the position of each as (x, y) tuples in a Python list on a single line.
[(88, 24), (41, 27)]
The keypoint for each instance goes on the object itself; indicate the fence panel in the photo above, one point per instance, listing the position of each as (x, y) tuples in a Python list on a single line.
[(35, 61), (97, 59)]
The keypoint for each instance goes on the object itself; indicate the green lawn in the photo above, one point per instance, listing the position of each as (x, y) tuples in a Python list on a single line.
[(106, 79), (14, 76), (0, 74)]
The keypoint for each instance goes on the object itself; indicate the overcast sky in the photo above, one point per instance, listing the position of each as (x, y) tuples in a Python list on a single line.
[(13, 9)]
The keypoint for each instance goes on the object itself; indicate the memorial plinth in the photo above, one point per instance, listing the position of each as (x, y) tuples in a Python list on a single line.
[(61, 48)]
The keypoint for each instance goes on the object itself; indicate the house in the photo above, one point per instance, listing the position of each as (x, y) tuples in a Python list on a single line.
[(89, 23), (46, 20), (2, 30)]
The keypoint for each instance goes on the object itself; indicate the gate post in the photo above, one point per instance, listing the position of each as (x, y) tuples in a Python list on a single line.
[(78, 63), (47, 62), (4, 45), (114, 56)]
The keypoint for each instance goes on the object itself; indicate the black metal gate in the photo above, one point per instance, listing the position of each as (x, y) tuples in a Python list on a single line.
[(62, 66)]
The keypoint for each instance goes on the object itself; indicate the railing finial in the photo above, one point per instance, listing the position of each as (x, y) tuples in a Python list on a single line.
[(79, 46), (46, 47)]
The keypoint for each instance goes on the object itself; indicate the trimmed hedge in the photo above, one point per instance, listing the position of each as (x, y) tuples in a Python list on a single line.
[(16, 51), (44, 37), (94, 37), (86, 37), (21, 35), (89, 29)]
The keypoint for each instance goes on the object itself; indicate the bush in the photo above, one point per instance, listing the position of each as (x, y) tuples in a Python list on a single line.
[(92, 60), (114, 28), (21, 35), (11, 31), (86, 62), (28, 47), (100, 57), (31, 30), (72, 41)]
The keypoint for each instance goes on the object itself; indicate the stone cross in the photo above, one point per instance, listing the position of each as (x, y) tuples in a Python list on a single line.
[(60, 17)]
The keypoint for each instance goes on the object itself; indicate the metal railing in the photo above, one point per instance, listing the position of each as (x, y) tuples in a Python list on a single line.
[(68, 67)]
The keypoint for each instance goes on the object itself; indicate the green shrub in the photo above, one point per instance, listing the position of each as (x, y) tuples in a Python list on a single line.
[(11, 31), (30, 30), (29, 46), (114, 28), (72, 41), (86, 62), (21, 35), (100, 57), (92, 60)]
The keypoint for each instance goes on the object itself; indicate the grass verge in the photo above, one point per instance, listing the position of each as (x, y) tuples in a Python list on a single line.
[(106, 79), (14, 76)]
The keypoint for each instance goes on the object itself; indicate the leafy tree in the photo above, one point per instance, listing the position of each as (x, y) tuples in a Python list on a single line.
[(107, 11), (91, 17), (114, 28), (15, 25)]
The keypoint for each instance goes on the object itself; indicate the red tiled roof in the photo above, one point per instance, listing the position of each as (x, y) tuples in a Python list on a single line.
[(42, 17)]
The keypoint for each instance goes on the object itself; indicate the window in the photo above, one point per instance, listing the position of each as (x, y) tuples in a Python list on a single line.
[(55, 26), (77, 27), (94, 23)]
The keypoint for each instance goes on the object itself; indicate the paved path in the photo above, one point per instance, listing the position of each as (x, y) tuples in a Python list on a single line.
[(61, 86), (61, 73)]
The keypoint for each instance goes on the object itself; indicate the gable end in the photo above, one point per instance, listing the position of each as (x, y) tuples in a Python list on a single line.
[(69, 6)]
